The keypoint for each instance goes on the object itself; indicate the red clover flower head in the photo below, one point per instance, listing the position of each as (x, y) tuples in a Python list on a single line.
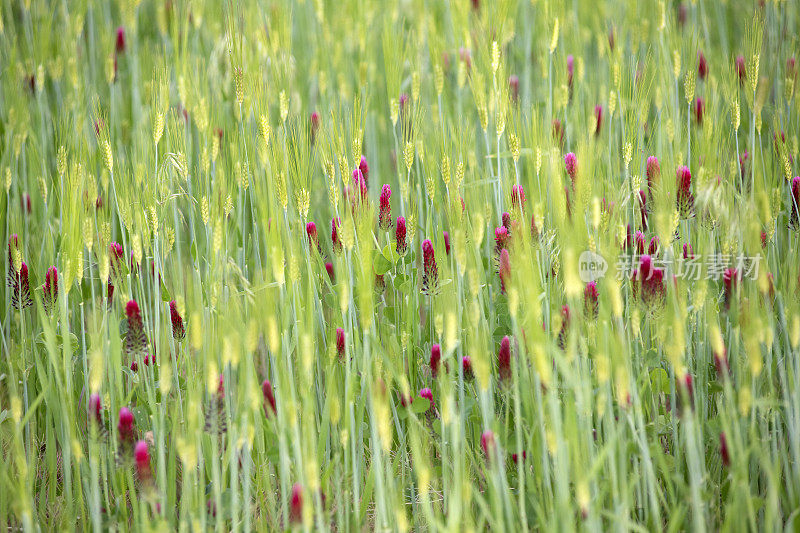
[(50, 289), (142, 455), (500, 238), (653, 172), (115, 255), (685, 198), (125, 425), (335, 240), (313, 238), (404, 103), (296, 505), (699, 108), (643, 207), (269, 398), (513, 88), (466, 366), (730, 279), (724, 453), (436, 356), (178, 329), (504, 270), (702, 65), (558, 132), (598, 115), (385, 209), (119, 46), (427, 393), (95, 408), (400, 236), (364, 168), (591, 305), (571, 165), (135, 336), (504, 360), (430, 276), (741, 71), (517, 197), (340, 342), (570, 69), (20, 288), (315, 121), (505, 218), (650, 281), (487, 444)]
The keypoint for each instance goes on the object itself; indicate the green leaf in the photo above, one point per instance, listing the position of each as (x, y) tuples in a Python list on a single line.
[(420, 405), (390, 254), (73, 341), (165, 295), (381, 265), (659, 380)]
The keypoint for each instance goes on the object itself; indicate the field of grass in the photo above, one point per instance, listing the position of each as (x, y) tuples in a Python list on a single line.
[(412, 265)]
